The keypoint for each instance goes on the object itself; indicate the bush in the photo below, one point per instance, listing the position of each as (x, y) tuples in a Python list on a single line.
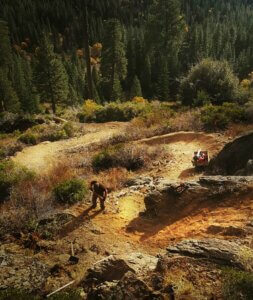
[(11, 174), (237, 285), (209, 81), (130, 157), (126, 111), (219, 117), (28, 138), (70, 191)]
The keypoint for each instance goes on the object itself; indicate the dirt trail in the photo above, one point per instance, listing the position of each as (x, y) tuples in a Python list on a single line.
[(121, 229), (42, 157)]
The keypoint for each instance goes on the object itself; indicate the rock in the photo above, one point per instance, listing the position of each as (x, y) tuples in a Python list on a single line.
[(177, 195), (140, 263), (249, 167), (129, 287), (23, 272), (141, 180), (108, 269), (114, 267), (220, 251), (226, 231), (234, 156)]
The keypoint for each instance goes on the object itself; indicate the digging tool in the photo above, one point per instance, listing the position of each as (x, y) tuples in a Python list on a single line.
[(73, 259)]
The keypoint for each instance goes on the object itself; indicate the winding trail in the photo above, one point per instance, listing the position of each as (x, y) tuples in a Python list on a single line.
[(42, 157)]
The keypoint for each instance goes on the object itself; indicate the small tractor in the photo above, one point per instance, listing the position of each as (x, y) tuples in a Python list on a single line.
[(200, 159)]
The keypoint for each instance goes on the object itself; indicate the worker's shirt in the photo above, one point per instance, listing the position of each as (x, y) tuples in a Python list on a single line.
[(99, 189)]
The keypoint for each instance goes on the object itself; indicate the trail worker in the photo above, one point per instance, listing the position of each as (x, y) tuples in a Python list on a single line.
[(99, 191)]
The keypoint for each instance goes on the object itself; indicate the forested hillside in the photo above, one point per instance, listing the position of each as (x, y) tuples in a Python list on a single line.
[(137, 48)]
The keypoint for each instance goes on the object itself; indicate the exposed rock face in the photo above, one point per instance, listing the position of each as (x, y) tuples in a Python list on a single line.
[(108, 269), (170, 195), (21, 272), (220, 251), (234, 157), (129, 287), (115, 267)]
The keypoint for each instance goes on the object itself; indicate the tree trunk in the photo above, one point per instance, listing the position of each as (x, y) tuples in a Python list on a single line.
[(87, 54)]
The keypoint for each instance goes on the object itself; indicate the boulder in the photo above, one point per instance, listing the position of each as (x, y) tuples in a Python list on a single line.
[(220, 251), (177, 195), (233, 157), (129, 287), (114, 267), (108, 269)]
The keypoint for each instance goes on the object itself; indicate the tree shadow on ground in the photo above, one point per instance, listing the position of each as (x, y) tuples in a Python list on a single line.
[(78, 221)]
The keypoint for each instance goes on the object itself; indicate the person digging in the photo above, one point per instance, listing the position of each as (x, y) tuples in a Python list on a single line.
[(98, 191)]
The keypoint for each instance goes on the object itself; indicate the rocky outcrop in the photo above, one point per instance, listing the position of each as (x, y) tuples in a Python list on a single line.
[(220, 251), (129, 287), (22, 272), (176, 195), (234, 157), (114, 267)]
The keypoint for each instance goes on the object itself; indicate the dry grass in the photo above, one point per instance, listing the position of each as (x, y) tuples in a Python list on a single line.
[(186, 121), (113, 179), (235, 130)]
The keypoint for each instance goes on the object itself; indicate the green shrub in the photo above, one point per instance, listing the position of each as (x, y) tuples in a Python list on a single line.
[(28, 138), (69, 129), (70, 191), (209, 80), (11, 174), (219, 117), (237, 285)]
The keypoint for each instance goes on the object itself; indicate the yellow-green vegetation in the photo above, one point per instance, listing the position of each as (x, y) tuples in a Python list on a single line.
[(93, 112), (237, 285), (219, 117), (47, 132), (70, 191), (11, 174)]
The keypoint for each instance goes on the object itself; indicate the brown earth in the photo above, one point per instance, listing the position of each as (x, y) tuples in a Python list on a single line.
[(120, 229)]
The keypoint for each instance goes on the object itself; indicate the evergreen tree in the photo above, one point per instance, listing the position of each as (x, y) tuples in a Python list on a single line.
[(165, 34), (114, 62), (135, 88), (162, 87), (51, 76), (8, 98), (22, 79), (146, 77)]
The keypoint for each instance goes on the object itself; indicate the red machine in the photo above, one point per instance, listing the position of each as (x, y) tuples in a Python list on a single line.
[(200, 158)]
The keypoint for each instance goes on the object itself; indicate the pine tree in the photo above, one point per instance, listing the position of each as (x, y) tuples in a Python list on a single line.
[(162, 87), (146, 77), (8, 98), (135, 88), (114, 62), (51, 76)]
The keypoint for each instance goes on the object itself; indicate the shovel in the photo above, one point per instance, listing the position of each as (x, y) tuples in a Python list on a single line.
[(73, 259)]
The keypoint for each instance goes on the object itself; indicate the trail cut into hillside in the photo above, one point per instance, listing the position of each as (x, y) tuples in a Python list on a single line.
[(42, 157)]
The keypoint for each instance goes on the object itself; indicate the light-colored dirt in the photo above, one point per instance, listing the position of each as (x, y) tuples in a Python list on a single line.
[(42, 157)]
